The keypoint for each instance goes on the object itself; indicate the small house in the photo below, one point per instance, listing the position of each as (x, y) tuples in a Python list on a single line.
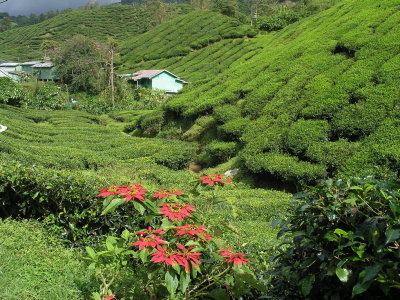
[(156, 80), (27, 67), (8, 70), (44, 71)]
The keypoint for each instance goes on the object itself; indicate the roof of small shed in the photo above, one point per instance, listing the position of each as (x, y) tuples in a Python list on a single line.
[(9, 65), (43, 65)]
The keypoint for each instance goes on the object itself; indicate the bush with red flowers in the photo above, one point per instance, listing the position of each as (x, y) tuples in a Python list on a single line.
[(176, 255)]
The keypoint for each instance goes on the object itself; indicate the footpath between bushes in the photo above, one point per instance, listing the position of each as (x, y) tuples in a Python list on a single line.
[(3, 128)]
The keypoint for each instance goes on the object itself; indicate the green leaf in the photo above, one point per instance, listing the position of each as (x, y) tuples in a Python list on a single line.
[(392, 235), (96, 296), (184, 281), (143, 254), (351, 201), (171, 282), (91, 252), (342, 274), (113, 205), (330, 236), (218, 294), (110, 243), (176, 267), (340, 231), (126, 235), (298, 233), (360, 288), (306, 284), (369, 273), (139, 207)]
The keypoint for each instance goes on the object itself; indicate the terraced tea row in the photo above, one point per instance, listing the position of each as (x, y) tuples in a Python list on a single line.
[(317, 98), (75, 140)]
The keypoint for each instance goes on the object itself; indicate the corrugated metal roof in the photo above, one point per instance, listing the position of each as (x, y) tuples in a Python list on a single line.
[(9, 65), (43, 65), (30, 63), (147, 74)]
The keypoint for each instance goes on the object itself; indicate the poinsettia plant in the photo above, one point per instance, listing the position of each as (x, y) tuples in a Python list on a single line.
[(175, 253)]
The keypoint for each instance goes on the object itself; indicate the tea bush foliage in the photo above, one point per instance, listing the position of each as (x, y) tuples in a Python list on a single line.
[(329, 79), (35, 265), (175, 38), (341, 240), (27, 42)]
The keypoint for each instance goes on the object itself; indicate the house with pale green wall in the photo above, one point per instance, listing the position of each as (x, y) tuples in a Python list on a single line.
[(45, 71), (156, 80)]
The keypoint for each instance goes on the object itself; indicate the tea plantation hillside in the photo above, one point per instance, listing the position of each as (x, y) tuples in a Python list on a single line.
[(65, 157), (117, 21), (194, 46), (319, 97)]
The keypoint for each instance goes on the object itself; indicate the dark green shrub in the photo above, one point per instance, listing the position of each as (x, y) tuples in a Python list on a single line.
[(9, 92), (358, 120), (221, 151), (151, 123), (285, 166), (45, 97), (332, 154), (226, 113), (278, 20), (175, 159), (63, 197), (233, 129), (304, 133), (341, 240), (201, 126)]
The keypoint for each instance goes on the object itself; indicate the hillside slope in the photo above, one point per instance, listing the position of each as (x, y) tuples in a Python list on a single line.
[(194, 46), (117, 21), (319, 97)]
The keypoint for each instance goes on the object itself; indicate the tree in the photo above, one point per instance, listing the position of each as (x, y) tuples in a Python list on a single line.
[(82, 64), (226, 7), (5, 24)]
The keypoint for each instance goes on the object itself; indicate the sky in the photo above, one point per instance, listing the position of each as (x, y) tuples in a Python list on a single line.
[(26, 7)]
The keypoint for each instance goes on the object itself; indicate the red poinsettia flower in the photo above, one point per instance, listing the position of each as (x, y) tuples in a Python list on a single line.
[(217, 179), (164, 193), (176, 211), (183, 258), (110, 297), (150, 230), (235, 258), (134, 191), (193, 231), (149, 241), (168, 256), (161, 194), (175, 192), (109, 191)]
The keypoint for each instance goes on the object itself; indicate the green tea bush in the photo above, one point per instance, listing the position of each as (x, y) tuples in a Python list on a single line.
[(285, 166), (332, 154), (63, 197), (304, 133), (10, 93), (226, 113), (233, 129), (221, 151), (151, 123), (34, 265), (45, 97), (359, 120), (278, 20), (341, 240), (201, 126)]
